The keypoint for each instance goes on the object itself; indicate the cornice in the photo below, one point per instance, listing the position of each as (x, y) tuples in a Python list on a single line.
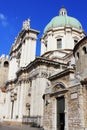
[(39, 61), (62, 74), (11, 82), (59, 92)]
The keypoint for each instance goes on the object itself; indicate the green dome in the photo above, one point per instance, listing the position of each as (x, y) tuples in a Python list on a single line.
[(61, 21)]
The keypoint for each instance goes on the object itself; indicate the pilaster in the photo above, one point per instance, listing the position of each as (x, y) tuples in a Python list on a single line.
[(80, 109)]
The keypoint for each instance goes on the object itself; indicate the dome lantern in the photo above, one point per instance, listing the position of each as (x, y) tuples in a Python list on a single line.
[(62, 11)]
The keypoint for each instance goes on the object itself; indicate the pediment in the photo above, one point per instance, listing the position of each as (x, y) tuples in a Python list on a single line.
[(55, 55), (58, 87)]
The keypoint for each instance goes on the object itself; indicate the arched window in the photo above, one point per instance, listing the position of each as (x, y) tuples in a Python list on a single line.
[(84, 50), (6, 64), (59, 43)]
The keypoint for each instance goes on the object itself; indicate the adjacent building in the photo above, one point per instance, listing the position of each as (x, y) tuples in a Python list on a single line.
[(4, 68)]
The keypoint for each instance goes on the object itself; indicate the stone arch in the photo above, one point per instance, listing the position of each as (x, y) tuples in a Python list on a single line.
[(6, 64), (59, 86)]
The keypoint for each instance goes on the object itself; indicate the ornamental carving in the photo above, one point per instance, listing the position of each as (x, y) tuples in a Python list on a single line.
[(44, 74)]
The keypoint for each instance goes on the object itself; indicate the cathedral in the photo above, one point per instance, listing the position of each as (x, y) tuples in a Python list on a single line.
[(50, 90)]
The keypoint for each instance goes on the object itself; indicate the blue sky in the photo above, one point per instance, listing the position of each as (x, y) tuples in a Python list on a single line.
[(14, 12)]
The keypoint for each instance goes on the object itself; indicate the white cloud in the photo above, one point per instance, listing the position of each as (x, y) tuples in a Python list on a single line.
[(3, 20), (2, 16)]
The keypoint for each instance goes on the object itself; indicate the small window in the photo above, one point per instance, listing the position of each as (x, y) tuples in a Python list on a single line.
[(46, 45), (6, 64), (77, 55), (84, 50), (30, 83), (59, 43), (75, 42)]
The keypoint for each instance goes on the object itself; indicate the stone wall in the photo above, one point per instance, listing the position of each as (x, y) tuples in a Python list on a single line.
[(47, 113)]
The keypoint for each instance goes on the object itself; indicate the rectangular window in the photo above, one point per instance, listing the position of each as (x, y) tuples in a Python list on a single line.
[(59, 43)]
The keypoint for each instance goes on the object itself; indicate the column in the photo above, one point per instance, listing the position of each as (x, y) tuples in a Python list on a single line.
[(43, 48), (28, 51), (54, 113), (22, 56), (21, 101), (8, 105), (66, 112), (18, 100)]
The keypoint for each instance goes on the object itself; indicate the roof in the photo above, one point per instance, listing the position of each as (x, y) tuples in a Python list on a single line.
[(63, 20)]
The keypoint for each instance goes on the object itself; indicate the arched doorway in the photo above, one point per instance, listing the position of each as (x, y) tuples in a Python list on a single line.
[(58, 92)]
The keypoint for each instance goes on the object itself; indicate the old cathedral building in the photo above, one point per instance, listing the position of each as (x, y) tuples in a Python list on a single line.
[(51, 89)]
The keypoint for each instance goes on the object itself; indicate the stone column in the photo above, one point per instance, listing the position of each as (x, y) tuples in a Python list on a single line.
[(25, 97), (28, 51), (22, 56), (21, 101), (8, 105), (66, 112), (18, 100), (33, 109), (54, 113), (43, 48)]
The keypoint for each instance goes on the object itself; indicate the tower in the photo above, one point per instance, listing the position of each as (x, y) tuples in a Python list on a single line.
[(23, 50)]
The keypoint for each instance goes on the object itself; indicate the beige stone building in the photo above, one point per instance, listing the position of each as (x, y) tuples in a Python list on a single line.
[(48, 90), (4, 68)]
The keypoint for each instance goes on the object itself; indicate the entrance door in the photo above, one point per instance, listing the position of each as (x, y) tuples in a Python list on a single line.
[(60, 113)]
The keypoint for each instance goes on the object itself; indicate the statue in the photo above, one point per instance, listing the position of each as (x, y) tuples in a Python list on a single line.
[(26, 24)]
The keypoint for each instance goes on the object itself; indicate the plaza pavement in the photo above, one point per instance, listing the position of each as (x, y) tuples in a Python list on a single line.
[(17, 127)]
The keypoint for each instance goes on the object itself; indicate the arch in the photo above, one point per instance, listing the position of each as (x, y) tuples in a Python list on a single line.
[(58, 87), (61, 84), (6, 64)]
